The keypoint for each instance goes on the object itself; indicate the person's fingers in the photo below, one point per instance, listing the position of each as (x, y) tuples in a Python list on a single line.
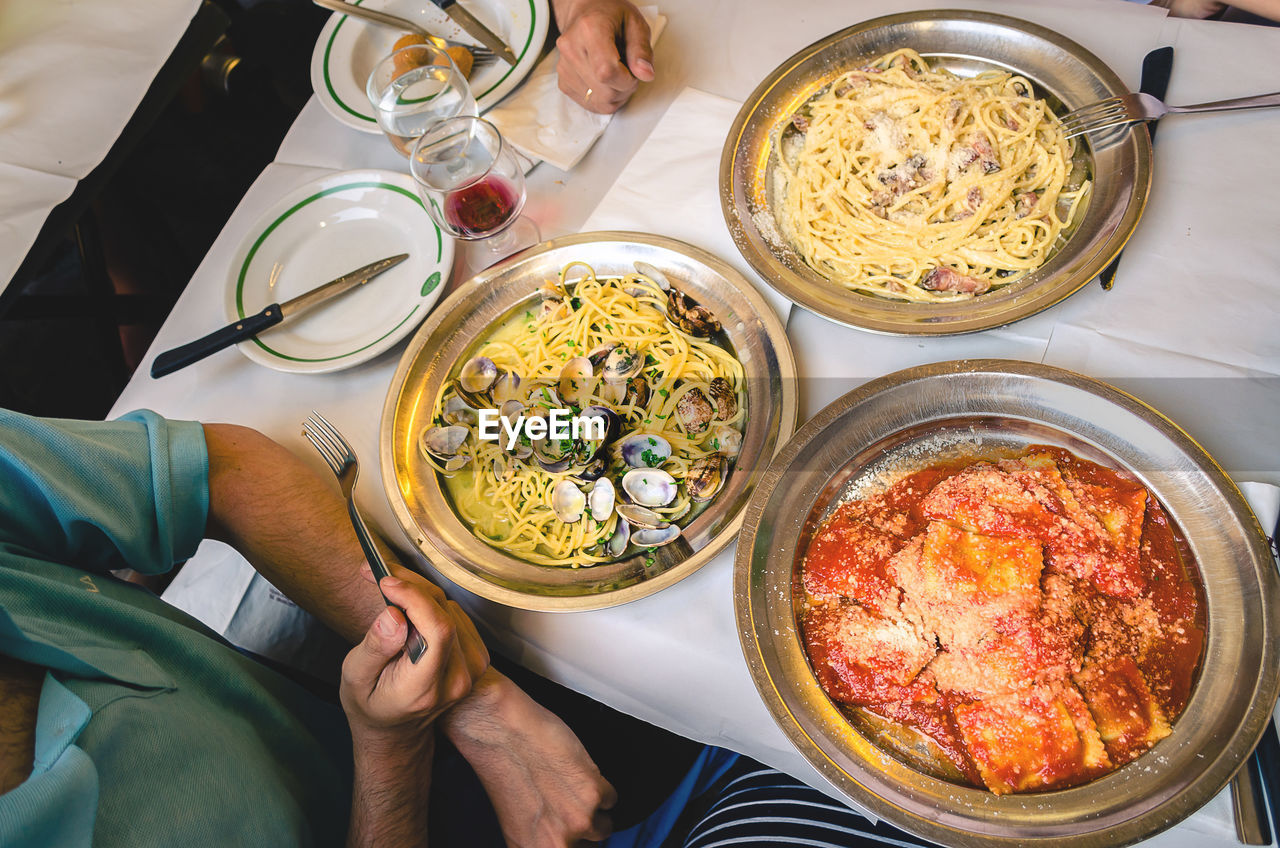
[(639, 53), (365, 662), (601, 826), (436, 627), (367, 573)]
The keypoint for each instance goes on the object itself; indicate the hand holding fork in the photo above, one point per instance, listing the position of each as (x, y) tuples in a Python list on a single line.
[(341, 459)]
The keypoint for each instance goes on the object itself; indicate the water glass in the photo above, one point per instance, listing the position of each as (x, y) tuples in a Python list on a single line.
[(412, 89), (473, 185)]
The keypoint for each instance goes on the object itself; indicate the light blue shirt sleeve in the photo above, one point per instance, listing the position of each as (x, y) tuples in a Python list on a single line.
[(131, 493)]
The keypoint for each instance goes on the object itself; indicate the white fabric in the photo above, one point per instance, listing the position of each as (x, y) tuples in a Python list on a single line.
[(72, 75)]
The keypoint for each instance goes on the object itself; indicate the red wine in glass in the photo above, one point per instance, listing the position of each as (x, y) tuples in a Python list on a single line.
[(481, 208)]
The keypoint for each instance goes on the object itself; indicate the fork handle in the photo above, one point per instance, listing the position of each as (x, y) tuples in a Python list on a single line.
[(415, 646), (1256, 102)]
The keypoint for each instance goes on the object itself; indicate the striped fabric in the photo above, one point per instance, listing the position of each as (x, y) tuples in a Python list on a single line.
[(757, 805)]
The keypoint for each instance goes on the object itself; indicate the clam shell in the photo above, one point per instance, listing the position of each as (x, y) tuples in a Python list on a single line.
[(444, 442), (723, 398), (567, 501), (638, 392), (618, 542), (654, 274), (726, 439), (706, 477), (649, 486), (645, 450), (622, 364), (506, 387), (600, 354), (686, 314), (577, 380), (458, 411), (478, 374), (694, 411), (639, 516), (656, 538), (601, 500)]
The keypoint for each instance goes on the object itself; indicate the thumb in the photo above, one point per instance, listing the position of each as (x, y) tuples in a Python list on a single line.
[(639, 53), (384, 639)]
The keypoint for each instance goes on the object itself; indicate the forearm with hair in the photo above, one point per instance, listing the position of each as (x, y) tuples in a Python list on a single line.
[(389, 799), (291, 524)]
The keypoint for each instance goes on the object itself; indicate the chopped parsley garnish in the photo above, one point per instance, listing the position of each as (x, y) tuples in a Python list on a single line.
[(664, 392)]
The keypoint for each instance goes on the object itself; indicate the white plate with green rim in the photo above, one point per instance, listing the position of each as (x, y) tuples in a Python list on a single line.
[(349, 48), (321, 231)]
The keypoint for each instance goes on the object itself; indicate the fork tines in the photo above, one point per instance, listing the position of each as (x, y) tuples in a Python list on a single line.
[(1102, 115), (327, 440)]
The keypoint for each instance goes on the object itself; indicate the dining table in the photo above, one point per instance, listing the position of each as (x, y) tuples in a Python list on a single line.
[(1189, 327)]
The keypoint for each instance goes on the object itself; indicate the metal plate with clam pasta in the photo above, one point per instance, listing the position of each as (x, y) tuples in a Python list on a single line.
[(964, 44), (912, 419), (527, 290)]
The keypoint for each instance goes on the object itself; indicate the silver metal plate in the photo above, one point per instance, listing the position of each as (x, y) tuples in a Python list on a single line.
[(964, 43), (419, 500), (900, 423)]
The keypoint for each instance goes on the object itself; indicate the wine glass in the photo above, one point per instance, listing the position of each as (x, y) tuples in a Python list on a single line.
[(473, 186), (414, 88)]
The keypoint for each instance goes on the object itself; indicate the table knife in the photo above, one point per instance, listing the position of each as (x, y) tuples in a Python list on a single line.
[(246, 328), (477, 30), (1156, 69)]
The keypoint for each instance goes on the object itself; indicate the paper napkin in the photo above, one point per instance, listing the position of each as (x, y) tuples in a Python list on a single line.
[(542, 122)]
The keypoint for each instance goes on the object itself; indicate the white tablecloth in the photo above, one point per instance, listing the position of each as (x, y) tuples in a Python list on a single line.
[(1195, 343), (71, 77)]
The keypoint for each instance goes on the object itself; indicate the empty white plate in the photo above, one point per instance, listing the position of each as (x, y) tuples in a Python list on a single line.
[(327, 228)]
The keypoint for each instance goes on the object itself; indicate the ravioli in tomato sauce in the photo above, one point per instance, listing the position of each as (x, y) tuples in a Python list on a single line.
[(1031, 615)]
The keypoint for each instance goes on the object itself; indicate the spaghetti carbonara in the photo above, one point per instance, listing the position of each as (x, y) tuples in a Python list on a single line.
[(914, 184), (623, 349)]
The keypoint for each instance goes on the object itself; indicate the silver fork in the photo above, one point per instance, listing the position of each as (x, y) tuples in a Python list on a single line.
[(482, 55), (341, 459), (1132, 108)]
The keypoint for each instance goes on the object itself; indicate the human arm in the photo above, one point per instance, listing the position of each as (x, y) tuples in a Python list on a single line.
[(544, 786), (292, 525), (392, 704), (604, 52)]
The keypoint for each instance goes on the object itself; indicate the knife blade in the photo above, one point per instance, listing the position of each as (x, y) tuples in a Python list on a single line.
[(250, 326), (1156, 70), (477, 30)]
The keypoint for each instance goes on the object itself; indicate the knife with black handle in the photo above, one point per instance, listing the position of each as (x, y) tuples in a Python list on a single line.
[(1156, 70), (250, 326)]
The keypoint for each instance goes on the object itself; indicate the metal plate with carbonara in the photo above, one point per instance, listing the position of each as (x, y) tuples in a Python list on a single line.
[(912, 183)]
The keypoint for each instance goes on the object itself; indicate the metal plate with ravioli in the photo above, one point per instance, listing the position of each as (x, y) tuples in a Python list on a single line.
[(905, 421), (420, 501), (964, 43)]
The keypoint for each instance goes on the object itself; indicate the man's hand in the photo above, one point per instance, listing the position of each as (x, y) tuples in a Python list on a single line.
[(604, 52), (544, 786), (391, 703), (383, 692)]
